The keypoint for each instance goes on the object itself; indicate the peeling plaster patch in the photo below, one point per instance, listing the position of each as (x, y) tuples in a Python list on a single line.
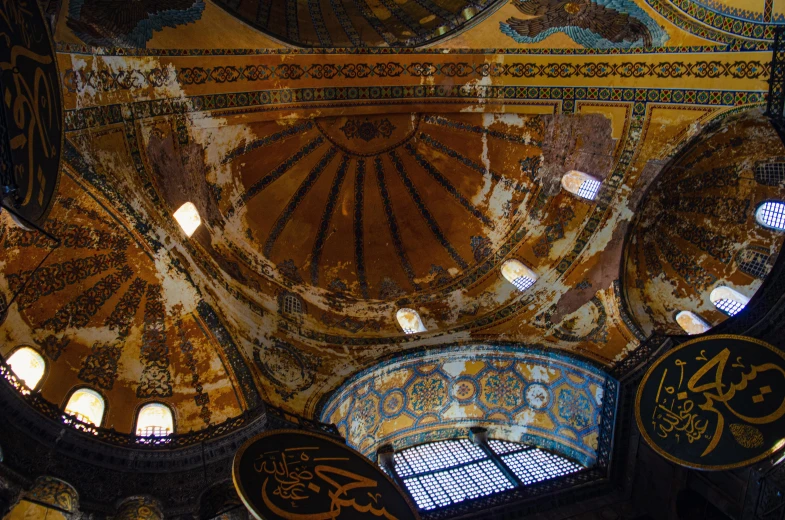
[(177, 291), (540, 373), (455, 368)]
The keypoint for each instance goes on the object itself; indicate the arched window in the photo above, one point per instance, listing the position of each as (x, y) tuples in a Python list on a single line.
[(755, 261), (447, 472), (154, 420), (770, 173), (27, 365), (728, 300), (771, 214), (692, 323), (291, 304), (86, 405), (188, 217), (410, 321), (581, 184), (518, 274)]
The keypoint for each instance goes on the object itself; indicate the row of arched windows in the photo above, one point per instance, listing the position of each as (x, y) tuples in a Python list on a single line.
[(727, 300), (514, 271), (86, 404), (771, 215)]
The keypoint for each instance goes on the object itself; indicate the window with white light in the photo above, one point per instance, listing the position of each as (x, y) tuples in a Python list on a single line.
[(771, 214), (154, 420), (410, 321), (728, 300), (581, 184), (518, 274), (188, 218), (86, 405), (531, 464), (441, 473), (27, 365), (691, 323)]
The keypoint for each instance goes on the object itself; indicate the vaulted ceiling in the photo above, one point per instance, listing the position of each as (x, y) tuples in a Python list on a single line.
[(360, 181)]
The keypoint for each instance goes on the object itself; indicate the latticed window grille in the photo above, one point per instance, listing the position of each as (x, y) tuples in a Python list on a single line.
[(292, 304), (523, 282), (770, 174), (447, 472), (153, 431), (754, 262), (772, 215), (728, 306), (531, 464), (589, 189)]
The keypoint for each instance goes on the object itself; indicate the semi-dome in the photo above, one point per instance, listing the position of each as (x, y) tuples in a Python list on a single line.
[(696, 237)]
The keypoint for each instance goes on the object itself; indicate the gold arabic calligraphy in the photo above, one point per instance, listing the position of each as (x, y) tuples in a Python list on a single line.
[(297, 474), (677, 414)]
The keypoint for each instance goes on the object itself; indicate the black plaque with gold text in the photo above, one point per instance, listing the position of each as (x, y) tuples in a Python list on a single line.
[(714, 403), (31, 119), (298, 475)]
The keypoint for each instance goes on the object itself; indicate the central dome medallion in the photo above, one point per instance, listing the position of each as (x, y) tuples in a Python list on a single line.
[(378, 207)]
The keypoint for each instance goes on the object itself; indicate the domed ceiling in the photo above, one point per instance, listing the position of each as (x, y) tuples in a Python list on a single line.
[(377, 207), (359, 23), (697, 230), (355, 182)]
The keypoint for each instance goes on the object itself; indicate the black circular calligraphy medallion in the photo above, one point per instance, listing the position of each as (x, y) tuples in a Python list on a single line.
[(31, 118), (298, 475), (714, 403)]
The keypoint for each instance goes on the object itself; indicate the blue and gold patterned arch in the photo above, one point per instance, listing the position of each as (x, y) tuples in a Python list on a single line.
[(519, 393)]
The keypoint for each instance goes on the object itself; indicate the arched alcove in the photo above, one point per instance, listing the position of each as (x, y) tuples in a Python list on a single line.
[(697, 228), (518, 393)]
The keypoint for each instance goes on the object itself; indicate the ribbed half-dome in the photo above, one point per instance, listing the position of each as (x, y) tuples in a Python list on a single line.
[(380, 206)]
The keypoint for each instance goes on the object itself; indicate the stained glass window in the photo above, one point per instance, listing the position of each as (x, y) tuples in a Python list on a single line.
[(447, 472)]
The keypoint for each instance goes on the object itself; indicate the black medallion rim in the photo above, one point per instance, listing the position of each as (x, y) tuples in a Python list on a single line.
[(241, 489), (650, 442)]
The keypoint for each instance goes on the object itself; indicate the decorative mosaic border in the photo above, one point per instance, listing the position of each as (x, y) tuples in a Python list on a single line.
[(725, 22), (725, 44), (683, 20), (105, 81), (743, 14), (323, 97)]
